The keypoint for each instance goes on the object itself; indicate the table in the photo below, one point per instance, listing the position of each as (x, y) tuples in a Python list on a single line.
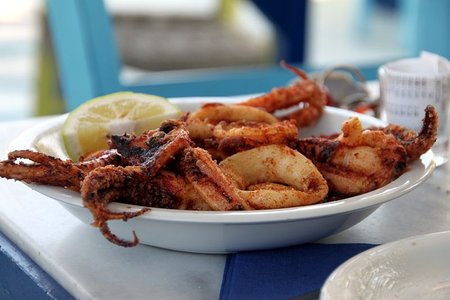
[(89, 267)]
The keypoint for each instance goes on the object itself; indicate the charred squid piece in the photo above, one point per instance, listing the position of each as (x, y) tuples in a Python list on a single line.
[(155, 148), (416, 144)]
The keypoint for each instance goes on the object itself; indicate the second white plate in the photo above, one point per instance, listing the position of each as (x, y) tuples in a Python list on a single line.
[(412, 268)]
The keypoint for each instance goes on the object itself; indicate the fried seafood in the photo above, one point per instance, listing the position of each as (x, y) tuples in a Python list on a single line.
[(208, 180), (223, 131), (34, 167), (274, 176), (213, 113), (304, 92), (263, 164), (109, 184), (145, 156), (229, 138), (155, 148), (358, 161), (414, 143), (133, 185)]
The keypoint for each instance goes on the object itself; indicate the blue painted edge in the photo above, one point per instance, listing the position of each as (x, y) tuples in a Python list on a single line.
[(22, 278), (74, 58), (231, 82), (100, 38)]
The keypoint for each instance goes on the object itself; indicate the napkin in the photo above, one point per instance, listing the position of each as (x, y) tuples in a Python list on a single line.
[(283, 273)]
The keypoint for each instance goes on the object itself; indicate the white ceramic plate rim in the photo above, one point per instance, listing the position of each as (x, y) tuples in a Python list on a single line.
[(419, 171), (345, 269)]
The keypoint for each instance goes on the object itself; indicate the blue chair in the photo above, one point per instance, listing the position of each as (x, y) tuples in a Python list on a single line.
[(89, 64)]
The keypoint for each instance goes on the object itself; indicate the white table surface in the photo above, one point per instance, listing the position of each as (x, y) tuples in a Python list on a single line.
[(89, 267)]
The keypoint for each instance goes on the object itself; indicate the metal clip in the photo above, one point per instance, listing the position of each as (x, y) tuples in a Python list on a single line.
[(347, 89)]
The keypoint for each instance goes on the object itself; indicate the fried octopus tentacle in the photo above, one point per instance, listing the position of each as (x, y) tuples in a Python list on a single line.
[(416, 144), (42, 169), (100, 159), (106, 232), (35, 167), (305, 92), (108, 184), (283, 97)]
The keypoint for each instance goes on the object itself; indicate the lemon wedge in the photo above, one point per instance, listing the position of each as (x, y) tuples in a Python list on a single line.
[(87, 128)]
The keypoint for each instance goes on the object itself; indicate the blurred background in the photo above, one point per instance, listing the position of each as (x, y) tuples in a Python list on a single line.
[(160, 35)]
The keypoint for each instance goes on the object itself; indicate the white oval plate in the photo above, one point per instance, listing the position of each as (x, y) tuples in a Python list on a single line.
[(412, 268), (225, 232)]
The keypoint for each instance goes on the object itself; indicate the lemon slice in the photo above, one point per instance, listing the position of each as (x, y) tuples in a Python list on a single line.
[(86, 129)]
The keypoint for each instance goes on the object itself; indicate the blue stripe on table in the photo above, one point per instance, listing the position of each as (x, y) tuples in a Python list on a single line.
[(283, 273), (21, 278)]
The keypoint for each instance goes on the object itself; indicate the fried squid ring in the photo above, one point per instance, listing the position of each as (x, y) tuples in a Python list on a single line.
[(231, 138), (216, 112), (274, 176), (227, 138)]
